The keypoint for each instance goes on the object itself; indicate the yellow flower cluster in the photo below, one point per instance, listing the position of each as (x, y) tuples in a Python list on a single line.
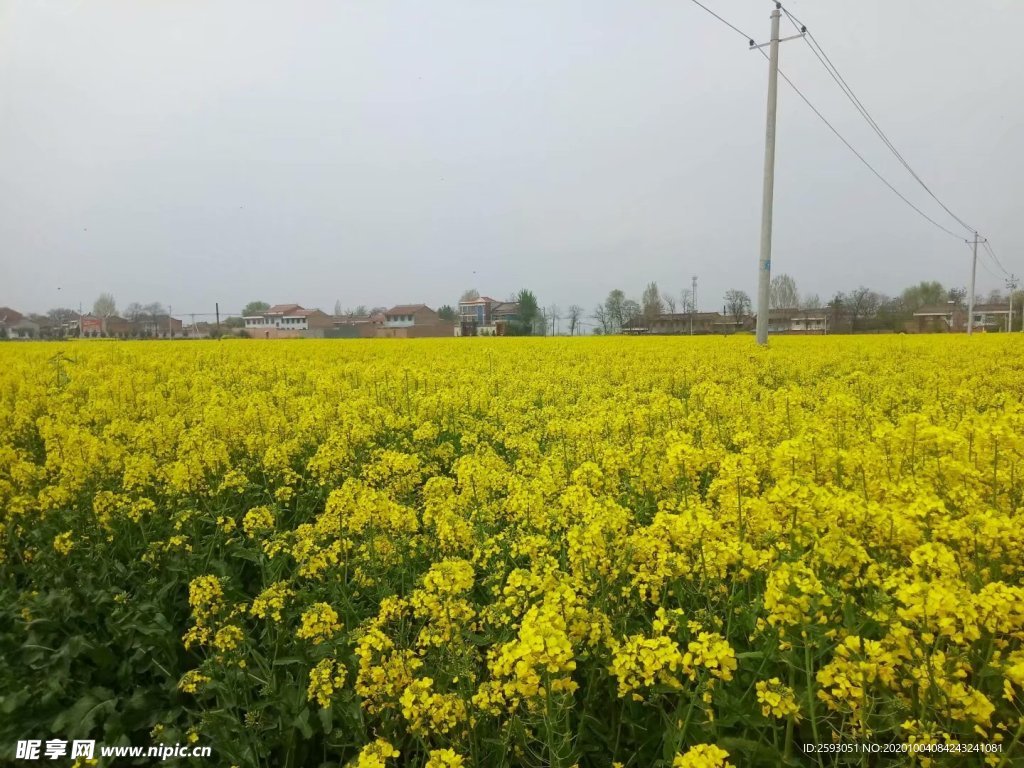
[(444, 758), (326, 677), (192, 681), (538, 662), (703, 756), (258, 520), (270, 602), (429, 712), (776, 699), (375, 755), (63, 543), (319, 623), (642, 661)]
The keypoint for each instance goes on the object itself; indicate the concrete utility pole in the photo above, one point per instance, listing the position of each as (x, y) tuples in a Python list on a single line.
[(693, 301), (764, 277), (1011, 285), (970, 297)]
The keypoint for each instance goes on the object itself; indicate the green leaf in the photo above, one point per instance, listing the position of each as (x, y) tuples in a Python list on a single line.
[(327, 719), (302, 723)]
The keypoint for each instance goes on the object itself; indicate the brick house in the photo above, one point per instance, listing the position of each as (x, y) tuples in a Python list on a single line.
[(407, 315), (288, 321), (939, 318), (408, 321), (92, 326), (356, 326), (680, 323), (793, 320), (485, 316), (14, 325), (992, 317)]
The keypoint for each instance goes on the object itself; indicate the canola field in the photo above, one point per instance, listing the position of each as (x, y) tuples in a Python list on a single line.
[(668, 553)]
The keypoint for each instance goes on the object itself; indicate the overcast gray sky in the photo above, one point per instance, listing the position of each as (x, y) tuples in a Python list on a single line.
[(382, 152)]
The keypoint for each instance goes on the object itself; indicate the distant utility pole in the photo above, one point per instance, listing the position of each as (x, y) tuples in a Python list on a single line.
[(764, 277), (693, 301), (217, 311), (970, 297), (170, 328), (1011, 285)]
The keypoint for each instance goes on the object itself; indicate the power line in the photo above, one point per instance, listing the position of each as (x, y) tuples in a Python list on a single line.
[(844, 86), (739, 31), (790, 15), (834, 72), (985, 266), (861, 157), (992, 253), (824, 120)]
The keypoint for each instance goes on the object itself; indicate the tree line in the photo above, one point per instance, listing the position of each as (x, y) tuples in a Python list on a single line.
[(860, 309)]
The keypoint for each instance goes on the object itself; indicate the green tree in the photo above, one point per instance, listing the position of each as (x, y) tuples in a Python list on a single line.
[(631, 313), (651, 304), (529, 310), (446, 312), (958, 296), (614, 311), (924, 293), (255, 308)]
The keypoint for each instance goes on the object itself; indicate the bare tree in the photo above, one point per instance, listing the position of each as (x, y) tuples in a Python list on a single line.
[(670, 303), (783, 293), (631, 313), (104, 306), (553, 318), (575, 313), (862, 303), (811, 302), (602, 319), (737, 305), (686, 297), (337, 308), (471, 294), (61, 315), (133, 311)]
